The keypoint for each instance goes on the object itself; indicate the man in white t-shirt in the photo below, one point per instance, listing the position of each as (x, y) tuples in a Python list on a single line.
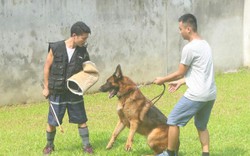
[(196, 71)]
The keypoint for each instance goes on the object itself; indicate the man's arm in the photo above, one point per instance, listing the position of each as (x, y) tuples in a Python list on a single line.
[(182, 69), (46, 71)]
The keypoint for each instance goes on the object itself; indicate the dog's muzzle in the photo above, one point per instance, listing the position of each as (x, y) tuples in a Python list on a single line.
[(113, 90)]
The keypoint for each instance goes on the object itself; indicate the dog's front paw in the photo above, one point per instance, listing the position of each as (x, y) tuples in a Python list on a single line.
[(109, 146), (128, 147)]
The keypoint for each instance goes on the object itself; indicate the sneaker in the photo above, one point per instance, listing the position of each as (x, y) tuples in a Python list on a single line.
[(48, 149), (164, 153), (88, 149)]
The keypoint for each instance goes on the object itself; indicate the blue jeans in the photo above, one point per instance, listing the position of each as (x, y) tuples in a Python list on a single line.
[(185, 109)]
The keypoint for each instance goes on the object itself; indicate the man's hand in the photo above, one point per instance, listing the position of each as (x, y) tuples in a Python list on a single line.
[(46, 92), (175, 85), (159, 80)]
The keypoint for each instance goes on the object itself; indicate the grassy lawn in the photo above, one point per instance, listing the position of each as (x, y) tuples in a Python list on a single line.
[(22, 131)]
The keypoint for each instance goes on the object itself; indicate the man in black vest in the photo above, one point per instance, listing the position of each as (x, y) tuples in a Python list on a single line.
[(64, 59)]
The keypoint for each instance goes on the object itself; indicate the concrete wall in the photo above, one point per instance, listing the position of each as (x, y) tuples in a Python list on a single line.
[(246, 33), (219, 22), (141, 35)]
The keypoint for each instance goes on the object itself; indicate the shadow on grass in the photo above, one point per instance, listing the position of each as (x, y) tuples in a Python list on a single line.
[(139, 146)]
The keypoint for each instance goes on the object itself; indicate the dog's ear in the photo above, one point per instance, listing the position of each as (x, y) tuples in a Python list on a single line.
[(118, 72)]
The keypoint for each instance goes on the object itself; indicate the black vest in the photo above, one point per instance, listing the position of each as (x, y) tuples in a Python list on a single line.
[(61, 69)]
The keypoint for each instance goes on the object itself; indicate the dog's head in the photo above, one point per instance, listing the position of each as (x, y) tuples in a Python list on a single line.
[(112, 84)]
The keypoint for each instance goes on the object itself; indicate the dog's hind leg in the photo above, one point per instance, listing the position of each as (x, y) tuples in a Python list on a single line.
[(158, 139), (119, 127)]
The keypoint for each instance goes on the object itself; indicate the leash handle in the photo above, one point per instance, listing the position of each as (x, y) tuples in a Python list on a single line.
[(157, 98)]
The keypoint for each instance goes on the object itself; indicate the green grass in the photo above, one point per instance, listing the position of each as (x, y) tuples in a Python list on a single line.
[(22, 131)]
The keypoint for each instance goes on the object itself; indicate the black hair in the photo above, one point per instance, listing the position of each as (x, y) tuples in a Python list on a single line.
[(79, 28), (190, 20)]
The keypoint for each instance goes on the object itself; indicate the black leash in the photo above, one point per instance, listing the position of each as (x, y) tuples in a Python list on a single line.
[(157, 98)]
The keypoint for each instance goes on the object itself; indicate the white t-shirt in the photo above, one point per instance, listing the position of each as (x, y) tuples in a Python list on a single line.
[(197, 54), (70, 53)]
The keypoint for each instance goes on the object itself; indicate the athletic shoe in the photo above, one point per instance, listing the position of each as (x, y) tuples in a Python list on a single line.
[(88, 149), (48, 149)]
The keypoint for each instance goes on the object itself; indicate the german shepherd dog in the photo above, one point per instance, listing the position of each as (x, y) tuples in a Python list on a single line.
[(137, 113)]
